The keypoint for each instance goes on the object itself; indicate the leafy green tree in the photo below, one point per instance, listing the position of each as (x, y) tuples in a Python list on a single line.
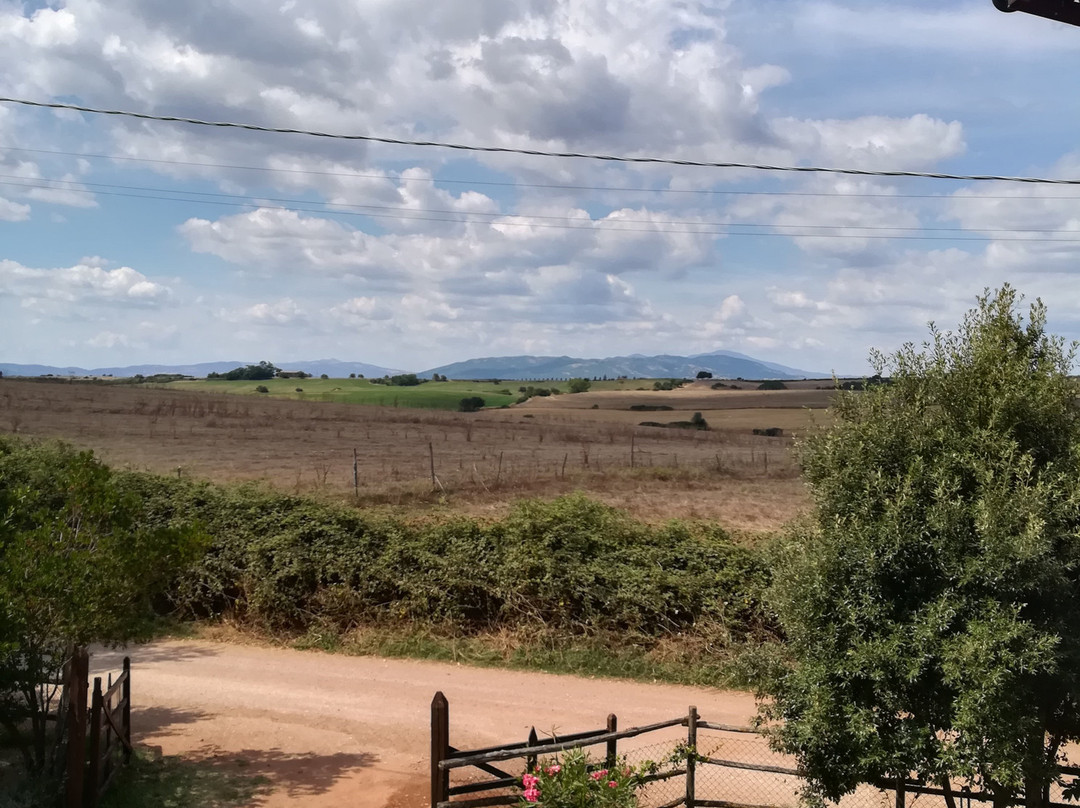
[(76, 567), (252, 373), (578, 385), (932, 602), (704, 374), (471, 404), (772, 384)]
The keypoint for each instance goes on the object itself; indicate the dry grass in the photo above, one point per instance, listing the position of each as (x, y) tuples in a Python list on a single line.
[(482, 461)]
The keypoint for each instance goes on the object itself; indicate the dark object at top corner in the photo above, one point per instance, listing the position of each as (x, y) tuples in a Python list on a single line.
[(1061, 10)]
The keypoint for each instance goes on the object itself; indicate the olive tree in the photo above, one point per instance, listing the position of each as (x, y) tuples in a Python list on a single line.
[(931, 602)]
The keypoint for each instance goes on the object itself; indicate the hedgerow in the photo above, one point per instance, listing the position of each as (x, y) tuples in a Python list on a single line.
[(288, 563)]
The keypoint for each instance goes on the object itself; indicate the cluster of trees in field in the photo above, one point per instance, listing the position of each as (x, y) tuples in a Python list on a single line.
[(400, 380), (923, 619)]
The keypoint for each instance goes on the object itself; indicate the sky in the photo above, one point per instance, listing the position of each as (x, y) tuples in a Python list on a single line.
[(125, 241)]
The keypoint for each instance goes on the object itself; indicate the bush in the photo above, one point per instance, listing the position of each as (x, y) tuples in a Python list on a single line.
[(772, 384), (261, 388), (471, 404), (578, 385), (78, 565), (572, 564), (324, 376)]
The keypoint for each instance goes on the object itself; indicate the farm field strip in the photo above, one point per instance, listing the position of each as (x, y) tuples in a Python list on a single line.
[(482, 461), (430, 395)]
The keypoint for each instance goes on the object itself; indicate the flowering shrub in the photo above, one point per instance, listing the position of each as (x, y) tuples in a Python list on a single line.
[(575, 782)]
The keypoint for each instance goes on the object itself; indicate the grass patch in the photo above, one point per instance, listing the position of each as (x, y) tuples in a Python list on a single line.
[(674, 660), (430, 395), (176, 782)]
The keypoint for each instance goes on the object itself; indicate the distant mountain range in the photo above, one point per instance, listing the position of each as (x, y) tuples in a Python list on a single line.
[(331, 367), (722, 364)]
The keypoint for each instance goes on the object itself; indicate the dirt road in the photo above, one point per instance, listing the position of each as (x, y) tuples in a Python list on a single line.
[(333, 730)]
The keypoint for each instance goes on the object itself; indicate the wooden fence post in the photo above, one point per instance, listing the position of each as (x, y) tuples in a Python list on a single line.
[(76, 684), (530, 761), (93, 774), (127, 710), (355, 474), (440, 748), (691, 760), (612, 745)]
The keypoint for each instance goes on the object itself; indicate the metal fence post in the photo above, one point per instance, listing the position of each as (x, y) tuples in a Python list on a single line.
[(691, 758), (93, 775), (440, 747), (901, 792), (613, 744)]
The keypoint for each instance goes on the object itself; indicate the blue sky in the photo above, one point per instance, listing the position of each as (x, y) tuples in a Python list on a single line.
[(126, 242)]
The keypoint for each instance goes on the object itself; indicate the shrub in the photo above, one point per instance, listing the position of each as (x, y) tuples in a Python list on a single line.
[(77, 566), (772, 384), (471, 404), (262, 388), (571, 565), (578, 385)]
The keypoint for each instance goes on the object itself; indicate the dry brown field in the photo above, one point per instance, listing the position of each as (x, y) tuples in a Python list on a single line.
[(482, 461)]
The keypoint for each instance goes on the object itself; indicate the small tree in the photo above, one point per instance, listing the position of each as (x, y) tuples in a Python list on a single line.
[(932, 602), (77, 566), (772, 384), (704, 374), (578, 385), (471, 404)]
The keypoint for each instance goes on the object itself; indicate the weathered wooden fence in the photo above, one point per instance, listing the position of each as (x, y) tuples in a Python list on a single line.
[(716, 767), (98, 739), (446, 758)]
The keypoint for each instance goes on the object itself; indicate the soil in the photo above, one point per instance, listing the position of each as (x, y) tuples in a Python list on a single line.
[(330, 730)]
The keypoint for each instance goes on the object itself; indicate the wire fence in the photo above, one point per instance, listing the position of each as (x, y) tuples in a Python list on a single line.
[(730, 767)]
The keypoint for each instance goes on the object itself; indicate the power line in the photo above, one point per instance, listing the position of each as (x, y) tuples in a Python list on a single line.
[(553, 186), (539, 152), (332, 207), (594, 226)]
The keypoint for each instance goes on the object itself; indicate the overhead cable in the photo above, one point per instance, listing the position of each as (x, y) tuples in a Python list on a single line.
[(601, 225), (540, 152)]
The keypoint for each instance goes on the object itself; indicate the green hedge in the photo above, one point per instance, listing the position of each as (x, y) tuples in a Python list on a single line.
[(287, 562)]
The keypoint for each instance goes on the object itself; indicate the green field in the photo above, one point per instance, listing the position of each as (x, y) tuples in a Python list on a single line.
[(430, 395)]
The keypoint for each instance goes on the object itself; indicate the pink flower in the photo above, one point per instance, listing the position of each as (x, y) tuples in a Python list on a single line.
[(532, 794), (599, 774), (612, 784), (529, 781), (553, 770)]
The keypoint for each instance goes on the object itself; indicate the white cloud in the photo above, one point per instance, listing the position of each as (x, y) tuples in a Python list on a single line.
[(86, 283), (13, 211)]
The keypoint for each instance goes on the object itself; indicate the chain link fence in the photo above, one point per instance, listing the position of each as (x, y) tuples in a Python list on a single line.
[(733, 768)]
